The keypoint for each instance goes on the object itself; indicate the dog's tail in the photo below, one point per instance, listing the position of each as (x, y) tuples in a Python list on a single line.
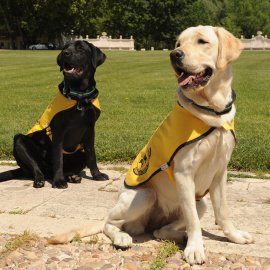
[(92, 229), (12, 174)]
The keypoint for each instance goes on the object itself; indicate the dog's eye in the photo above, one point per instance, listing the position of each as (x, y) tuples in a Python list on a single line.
[(201, 41), (80, 48), (177, 45)]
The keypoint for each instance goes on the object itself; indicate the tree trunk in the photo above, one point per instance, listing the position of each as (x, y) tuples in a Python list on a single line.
[(20, 30), (8, 26)]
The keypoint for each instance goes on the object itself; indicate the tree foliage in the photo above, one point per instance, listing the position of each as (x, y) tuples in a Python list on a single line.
[(151, 22)]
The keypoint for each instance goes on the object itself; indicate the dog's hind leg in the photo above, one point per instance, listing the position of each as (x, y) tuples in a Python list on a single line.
[(12, 174), (131, 208), (92, 229), (29, 158), (73, 164), (173, 231)]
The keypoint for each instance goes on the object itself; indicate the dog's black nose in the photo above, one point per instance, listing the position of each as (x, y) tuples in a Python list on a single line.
[(177, 54), (67, 52)]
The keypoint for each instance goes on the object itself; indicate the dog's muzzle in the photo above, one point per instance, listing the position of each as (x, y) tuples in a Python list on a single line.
[(186, 79)]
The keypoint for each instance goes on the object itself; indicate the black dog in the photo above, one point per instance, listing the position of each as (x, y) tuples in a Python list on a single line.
[(61, 144)]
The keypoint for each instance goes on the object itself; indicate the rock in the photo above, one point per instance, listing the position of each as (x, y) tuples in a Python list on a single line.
[(128, 253), (222, 258), (147, 258), (62, 264), (186, 266), (9, 262), (106, 248), (174, 260), (129, 266), (22, 265), (250, 259), (137, 248), (40, 267), (171, 266), (83, 268), (3, 263), (39, 254), (68, 259), (52, 266), (95, 264), (15, 255), (55, 259), (40, 246), (237, 266), (30, 255), (117, 261), (231, 257), (106, 256), (107, 267)]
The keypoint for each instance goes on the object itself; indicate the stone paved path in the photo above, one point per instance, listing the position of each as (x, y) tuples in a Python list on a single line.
[(47, 212), (86, 256)]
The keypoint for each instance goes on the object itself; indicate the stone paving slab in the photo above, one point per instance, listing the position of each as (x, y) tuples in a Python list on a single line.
[(49, 211)]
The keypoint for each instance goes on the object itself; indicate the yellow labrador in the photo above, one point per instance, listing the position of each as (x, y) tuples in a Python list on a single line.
[(164, 201)]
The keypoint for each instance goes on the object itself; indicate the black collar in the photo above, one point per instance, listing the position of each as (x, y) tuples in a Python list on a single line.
[(226, 110), (77, 95)]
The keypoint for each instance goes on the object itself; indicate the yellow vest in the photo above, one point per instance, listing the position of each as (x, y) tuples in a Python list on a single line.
[(179, 129), (58, 104)]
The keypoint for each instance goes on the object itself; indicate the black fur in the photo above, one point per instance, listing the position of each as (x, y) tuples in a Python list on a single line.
[(38, 156)]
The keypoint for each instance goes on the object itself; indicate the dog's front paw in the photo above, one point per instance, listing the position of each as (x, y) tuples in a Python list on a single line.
[(100, 177), (61, 184), (194, 254), (240, 237), (122, 240)]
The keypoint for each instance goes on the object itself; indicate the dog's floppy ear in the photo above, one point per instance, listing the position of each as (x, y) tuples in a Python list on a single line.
[(229, 47), (59, 57), (98, 56), (58, 60)]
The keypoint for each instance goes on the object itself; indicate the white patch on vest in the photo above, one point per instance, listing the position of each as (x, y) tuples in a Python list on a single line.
[(164, 166), (47, 125)]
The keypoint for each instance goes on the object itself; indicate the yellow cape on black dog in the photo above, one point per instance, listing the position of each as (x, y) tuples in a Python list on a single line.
[(58, 104), (179, 129)]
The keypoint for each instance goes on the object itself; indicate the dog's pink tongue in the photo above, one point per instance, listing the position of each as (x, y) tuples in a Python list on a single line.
[(185, 78), (76, 70)]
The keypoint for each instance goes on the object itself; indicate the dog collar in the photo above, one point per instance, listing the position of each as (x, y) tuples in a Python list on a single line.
[(226, 110), (77, 95)]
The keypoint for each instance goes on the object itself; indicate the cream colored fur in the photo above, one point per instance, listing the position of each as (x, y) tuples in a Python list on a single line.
[(172, 213)]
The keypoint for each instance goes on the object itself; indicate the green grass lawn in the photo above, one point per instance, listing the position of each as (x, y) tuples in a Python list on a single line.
[(136, 93)]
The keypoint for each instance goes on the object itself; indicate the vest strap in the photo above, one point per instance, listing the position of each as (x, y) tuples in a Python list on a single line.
[(226, 110)]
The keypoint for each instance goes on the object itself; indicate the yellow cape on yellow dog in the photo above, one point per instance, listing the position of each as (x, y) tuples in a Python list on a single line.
[(179, 129)]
